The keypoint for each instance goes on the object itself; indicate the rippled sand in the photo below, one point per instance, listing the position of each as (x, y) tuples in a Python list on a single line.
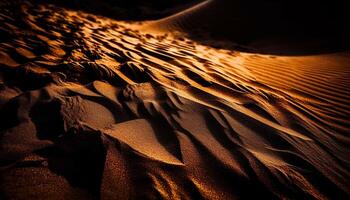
[(94, 108)]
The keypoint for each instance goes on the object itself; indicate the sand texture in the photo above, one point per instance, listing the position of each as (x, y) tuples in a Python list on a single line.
[(96, 108)]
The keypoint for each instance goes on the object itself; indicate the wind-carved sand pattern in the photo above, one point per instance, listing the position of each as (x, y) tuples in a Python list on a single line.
[(92, 108)]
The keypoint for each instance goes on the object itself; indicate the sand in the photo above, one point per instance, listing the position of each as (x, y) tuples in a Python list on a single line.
[(96, 108), (269, 27)]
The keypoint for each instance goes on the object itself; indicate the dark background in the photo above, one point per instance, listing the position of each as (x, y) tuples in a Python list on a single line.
[(126, 9)]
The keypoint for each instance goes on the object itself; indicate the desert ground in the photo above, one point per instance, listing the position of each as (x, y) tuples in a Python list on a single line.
[(189, 103)]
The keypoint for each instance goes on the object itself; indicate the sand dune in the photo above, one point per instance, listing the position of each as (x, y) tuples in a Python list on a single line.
[(269, 27), (92, 108)]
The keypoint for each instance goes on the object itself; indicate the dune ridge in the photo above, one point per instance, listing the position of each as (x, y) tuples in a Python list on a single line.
[(92, 108)]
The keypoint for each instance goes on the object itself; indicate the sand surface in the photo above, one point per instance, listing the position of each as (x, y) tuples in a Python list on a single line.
[(95, 108)]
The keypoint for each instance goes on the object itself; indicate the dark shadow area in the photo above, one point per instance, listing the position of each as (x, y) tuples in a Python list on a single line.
[(268, 27), (79, 157), (47, 119)]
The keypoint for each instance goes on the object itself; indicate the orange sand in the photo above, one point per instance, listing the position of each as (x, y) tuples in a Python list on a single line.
[(95, 108)]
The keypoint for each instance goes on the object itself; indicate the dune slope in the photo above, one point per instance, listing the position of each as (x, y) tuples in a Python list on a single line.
[(270, 27)]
